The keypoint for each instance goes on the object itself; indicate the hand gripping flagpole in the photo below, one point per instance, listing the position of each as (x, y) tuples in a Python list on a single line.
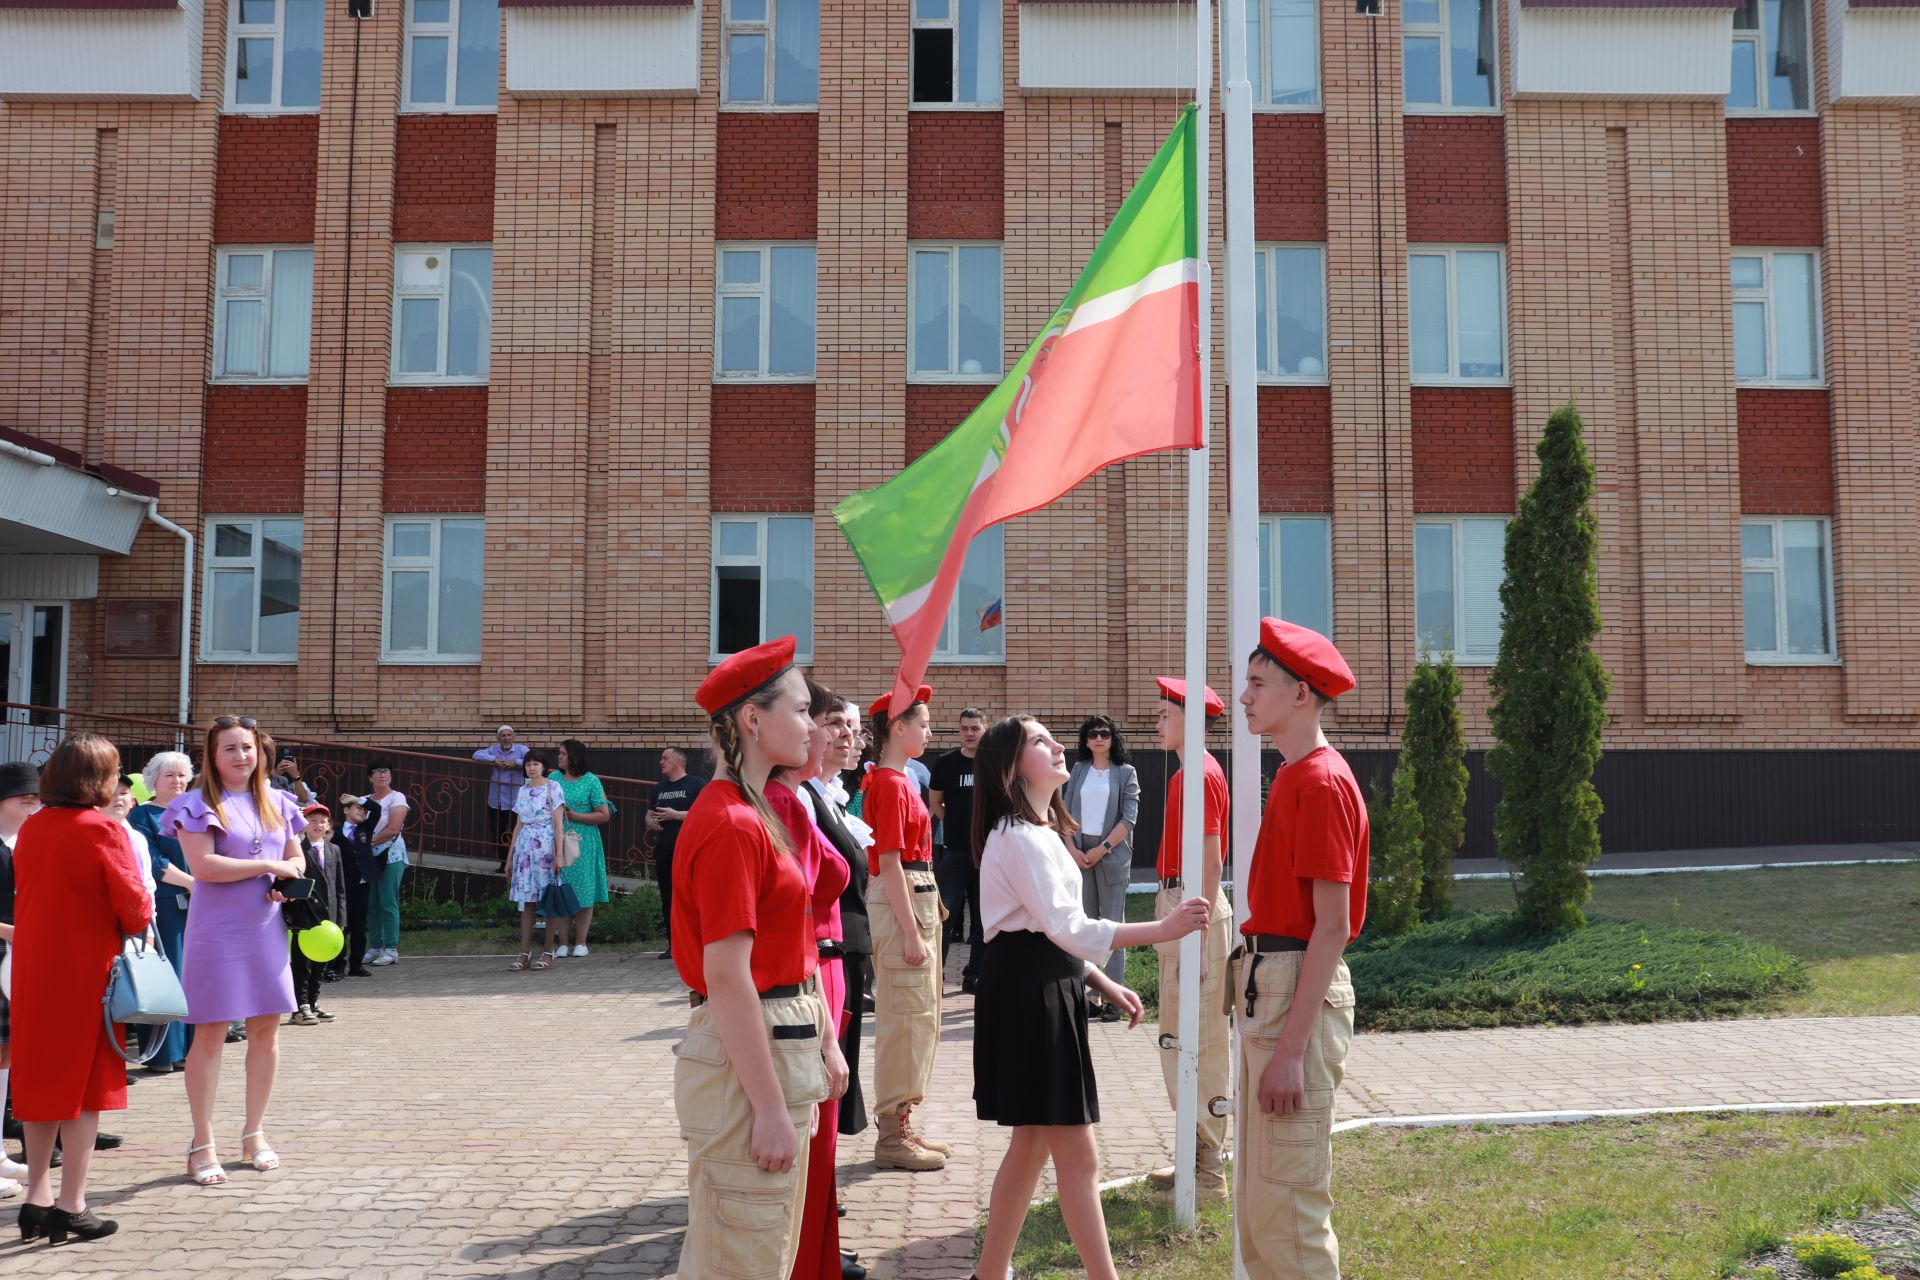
[(1192, 798), (1243, 487)]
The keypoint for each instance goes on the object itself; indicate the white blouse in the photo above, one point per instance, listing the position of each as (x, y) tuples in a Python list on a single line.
[(1028, 880), (1093, 802)]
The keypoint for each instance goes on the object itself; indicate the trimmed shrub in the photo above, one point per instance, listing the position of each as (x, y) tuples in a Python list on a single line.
[(1435, 745), (1393, 897)]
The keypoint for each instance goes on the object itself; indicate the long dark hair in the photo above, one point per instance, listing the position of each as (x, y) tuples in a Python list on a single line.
[(576, 757), (997, 793), (1119, 755)]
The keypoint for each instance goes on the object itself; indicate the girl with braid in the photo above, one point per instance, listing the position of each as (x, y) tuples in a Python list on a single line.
[(758, 1058)]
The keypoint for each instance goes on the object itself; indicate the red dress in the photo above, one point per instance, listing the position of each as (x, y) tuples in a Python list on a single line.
[(827, 876), (76, 893)]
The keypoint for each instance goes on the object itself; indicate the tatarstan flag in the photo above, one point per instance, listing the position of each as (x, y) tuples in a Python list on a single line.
[(1113, 374)]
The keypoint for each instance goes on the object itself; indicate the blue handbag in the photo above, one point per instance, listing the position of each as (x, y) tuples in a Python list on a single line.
[(142, 991)]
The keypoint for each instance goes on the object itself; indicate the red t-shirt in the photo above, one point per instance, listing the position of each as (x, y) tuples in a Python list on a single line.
[(1315, 828), (727, 876), (1213, 814), (898, 816)]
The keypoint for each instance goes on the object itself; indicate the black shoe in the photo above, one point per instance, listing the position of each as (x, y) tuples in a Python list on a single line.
[(12, 1129), (969, 986), (665, 955), (57, 1158), (849, 1255), (132, 1079), (1111, 1013), (329, 976), (105, 1141), (1093, 1010), (852, 1270), (86, 1224), (236, 1034), (33, 1221), (358, 972)]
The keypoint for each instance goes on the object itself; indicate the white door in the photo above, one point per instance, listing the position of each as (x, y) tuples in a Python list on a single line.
[(33, 654)]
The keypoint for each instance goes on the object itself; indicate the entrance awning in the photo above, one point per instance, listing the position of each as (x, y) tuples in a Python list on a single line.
[(52, 503)]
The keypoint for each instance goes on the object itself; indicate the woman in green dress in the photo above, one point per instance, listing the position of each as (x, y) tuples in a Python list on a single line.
[(587, 811)]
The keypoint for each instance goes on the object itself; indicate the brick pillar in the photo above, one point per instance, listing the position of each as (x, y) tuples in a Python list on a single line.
[(1684, 413), (1366, 320), (545, 206), (342, 561), (860, 379), (1871, 162)]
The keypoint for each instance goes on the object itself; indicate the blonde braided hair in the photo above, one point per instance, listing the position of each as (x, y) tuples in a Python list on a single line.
[(725, 729)]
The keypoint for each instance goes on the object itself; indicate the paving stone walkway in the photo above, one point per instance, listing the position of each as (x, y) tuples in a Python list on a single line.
[(459, 1120)]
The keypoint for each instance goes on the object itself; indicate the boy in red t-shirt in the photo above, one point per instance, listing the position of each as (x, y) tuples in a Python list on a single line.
[(1209, 1162), (1307, 898)]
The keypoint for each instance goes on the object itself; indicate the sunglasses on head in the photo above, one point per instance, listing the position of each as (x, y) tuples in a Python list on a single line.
[(232, 722)]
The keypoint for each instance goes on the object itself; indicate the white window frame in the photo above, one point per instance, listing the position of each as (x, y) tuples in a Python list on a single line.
[(950, 657), (1764, 296), (1459, 618), (1269, 291), (758, 560), (762, 290), (729, 26), (1270, 522), (222, 295), (451, 30), (1445, 106), (429, 563), (445, 295), (1776, 565), (1755, 38), (275, 31), (951, 248), (952, 23), (1453, 379), (252, 562), (1264, 55)]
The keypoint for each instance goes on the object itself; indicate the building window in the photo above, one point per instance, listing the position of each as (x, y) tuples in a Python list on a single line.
[(273, 55), (1458, 565), (762, 582), (772, 53), (954, 313), (1283, 53), (1771, 56), (1290, 312), (252, 589), (453, 55), (435, 570), (1457, 308), (1449, 55), (442, 313), (956, 53), (1776, 316), (1296, 571), (1787, 591), (976, 629), (262, 314), (764, 317)]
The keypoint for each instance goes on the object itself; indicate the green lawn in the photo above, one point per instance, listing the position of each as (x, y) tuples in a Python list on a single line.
[(1858, 928), (1673, 1197)]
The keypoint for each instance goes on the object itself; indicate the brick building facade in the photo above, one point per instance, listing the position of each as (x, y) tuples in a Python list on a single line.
[(459, 304)]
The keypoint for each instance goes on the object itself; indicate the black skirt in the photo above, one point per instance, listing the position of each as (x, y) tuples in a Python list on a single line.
[(1032, 1060)]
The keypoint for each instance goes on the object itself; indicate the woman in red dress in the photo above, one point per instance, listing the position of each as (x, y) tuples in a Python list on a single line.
[(78, 891), (827, 877)]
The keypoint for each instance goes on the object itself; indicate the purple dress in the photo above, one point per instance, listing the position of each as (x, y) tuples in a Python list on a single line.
[(236, 962)]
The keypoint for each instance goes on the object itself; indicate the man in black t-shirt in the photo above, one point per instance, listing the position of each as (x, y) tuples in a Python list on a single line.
[(950, 798), (673, 795)]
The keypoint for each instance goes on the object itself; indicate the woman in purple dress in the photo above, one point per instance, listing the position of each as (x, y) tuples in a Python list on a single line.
[(240, 836)]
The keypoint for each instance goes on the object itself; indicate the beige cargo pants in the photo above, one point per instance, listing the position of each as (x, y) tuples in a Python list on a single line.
[(1283, 1204), (1214, 1027), (743, 1223), (906, 997)]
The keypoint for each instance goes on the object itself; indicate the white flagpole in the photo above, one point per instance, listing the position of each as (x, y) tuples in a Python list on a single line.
[(1192, 801), (1243, 485)]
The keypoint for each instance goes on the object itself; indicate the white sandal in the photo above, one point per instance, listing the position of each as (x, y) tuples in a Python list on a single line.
[(264, 1159), (205, 1175)]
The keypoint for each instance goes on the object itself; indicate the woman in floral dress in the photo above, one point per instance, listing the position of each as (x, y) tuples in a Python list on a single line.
[(587, 810), (539, 813)]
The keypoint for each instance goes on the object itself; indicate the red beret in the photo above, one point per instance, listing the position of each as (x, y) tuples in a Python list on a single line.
[(314, 808), (745, 674), (1175, 691), (881, 704), (1308, 655)]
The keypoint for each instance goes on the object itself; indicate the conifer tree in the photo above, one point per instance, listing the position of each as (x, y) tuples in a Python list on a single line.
[(1393, 896), (1434, 746)]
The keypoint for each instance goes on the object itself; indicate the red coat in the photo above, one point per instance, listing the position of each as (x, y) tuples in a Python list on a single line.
[(76, 892)]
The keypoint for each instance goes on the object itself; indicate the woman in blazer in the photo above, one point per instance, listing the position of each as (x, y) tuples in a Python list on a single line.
[(1103, 795)]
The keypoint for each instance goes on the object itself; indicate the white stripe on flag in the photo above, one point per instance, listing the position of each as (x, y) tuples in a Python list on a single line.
[(1109, 306)]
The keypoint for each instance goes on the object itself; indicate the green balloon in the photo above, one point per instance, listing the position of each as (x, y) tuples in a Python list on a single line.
[(322, 942)]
